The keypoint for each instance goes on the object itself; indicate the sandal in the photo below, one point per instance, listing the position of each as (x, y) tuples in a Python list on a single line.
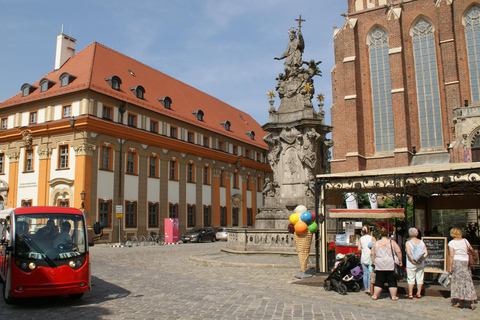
[(409, 296), (367, 292), (395, 298), (472, 306), (458, 305), (418, 296)]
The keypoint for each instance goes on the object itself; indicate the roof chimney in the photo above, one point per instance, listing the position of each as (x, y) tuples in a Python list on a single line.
[(65, 49)]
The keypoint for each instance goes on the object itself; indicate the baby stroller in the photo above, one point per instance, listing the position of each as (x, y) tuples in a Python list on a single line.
[(347, 276)]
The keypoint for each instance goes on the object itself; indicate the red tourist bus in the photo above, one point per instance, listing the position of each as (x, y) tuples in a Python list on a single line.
[(44, 252)]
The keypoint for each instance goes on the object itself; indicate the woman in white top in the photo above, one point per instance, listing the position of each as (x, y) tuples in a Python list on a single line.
[(416, 254), (363, 242), (462, 284)]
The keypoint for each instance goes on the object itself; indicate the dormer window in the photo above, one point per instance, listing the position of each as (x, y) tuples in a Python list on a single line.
[(27, 89), (166, 102), (139, 91), (226, 125), (198, 114), (114, 82), (65, 79), (45, 84), (251, 134)]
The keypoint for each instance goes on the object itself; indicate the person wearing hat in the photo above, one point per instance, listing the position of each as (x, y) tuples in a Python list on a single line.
[(339, 257), (365, 257)]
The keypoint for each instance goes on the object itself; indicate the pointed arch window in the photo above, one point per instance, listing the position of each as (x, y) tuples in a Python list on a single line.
[(381, 90), (476, 148), (426, 76), (472, 36)]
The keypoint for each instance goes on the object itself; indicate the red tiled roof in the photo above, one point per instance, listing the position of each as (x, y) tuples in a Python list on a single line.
[(95, 63)]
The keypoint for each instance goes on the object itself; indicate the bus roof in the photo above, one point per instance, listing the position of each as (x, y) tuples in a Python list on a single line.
[(31, 210)]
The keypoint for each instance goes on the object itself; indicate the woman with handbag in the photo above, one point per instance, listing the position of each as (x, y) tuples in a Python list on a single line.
[(416, 254), (385, 255), (462, 287)]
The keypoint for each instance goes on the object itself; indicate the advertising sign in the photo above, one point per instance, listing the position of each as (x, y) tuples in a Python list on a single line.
[(171, 230)]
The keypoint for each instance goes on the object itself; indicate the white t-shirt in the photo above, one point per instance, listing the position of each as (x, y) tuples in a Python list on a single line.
[(364, 241), (461, 249)]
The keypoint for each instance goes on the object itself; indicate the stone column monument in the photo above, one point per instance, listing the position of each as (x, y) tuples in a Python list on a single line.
[(297, 152)]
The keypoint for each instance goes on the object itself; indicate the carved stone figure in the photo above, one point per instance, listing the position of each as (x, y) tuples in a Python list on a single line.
[(308, 148), (268, 188), (310, 186), (293, 53)]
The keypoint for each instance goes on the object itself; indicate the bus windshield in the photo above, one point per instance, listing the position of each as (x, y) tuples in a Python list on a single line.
[(49, 236)]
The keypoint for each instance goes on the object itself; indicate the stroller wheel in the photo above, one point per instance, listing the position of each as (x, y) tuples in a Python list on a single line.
[(327, 286), (356, 287), (342, 289)]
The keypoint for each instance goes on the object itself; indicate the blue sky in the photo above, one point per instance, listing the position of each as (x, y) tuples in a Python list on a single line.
[(222, 47)]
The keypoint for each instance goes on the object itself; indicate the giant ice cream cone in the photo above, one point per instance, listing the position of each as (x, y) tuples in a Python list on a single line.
[(303, 242)]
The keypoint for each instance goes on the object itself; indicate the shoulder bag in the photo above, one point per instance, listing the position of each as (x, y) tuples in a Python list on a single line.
[(471, 256), (398, 270)]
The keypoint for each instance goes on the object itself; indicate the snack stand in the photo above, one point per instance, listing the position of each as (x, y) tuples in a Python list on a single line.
[(347, 243)]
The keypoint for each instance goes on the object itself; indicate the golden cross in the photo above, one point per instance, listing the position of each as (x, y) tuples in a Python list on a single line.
[(300, 20)]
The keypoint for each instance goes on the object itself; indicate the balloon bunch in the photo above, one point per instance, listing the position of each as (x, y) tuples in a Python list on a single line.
[(302, 221)]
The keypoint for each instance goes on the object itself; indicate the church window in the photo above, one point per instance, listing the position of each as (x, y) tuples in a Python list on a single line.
[(472, 35)]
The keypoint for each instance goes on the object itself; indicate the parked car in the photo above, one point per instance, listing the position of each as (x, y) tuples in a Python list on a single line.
[(199, 235), (222, 234)]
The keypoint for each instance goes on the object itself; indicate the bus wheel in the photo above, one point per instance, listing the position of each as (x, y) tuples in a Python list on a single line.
[(75, 296), (9, 299)]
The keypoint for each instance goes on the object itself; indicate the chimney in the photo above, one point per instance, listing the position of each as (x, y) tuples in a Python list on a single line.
[(65, 49)]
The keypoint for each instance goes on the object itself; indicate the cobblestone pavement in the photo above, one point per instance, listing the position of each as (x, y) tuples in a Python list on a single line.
[(197, 281)]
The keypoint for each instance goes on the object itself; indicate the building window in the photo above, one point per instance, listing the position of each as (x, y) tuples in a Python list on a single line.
[(132, 120), (426, 75), (248, 182), (62, 202), (44, 86), (2, 162), (173, 132), (223, 216), (190, 215), (130, 214), (153, 166), (206, 175), (472, 34), (249, 217), (222, 178), (173, 210), (226, 125), (234, 150), (259, 157), (139, 91), (152, 215), (107, 113), (190, 137), (173, 170), (67, 111), (154, 126), (131, 163), (114, 82), (235, 180), (63, 156), (33, 117), (259, 184), (106, 158), (28, 160), (220, 145), (476, 148), (190, 172), (206, 142), (4, 123), (381, 90), (247, 153), (235, 216), (27, 203), (207, 216), (166, 102), (105, 213)]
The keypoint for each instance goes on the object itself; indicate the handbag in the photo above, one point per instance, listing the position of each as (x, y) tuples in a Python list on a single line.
[(445, 279), (471, 255), (398, 272)]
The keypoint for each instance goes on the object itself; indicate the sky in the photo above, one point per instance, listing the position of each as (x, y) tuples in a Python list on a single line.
[(225, 48)]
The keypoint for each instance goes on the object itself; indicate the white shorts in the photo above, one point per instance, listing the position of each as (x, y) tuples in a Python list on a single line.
[(415, 274)]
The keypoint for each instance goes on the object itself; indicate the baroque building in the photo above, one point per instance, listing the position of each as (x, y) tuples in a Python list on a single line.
[(130, 145), (406, 84)]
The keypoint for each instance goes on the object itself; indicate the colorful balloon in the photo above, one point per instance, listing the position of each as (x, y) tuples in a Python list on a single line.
[(299, 209), (291, 228), (301, 227), (306, 217), (313, 227), (313, 216), (294, 218)]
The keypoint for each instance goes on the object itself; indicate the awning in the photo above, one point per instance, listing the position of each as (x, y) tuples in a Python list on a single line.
[(367, 213)]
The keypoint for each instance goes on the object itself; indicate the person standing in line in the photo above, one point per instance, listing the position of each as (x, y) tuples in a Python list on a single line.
[(416, 254), (384, 261), (363, 242), (462, 287)]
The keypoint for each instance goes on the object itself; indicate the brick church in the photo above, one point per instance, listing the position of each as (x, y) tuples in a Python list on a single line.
[(406, 84)]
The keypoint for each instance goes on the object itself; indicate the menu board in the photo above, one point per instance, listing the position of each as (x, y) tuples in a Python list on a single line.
[(436, 261)]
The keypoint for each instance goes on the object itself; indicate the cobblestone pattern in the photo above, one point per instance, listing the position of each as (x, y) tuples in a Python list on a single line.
[(178, 282)]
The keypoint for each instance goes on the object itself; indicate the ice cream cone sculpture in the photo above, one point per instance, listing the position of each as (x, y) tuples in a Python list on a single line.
[(303, 226)]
